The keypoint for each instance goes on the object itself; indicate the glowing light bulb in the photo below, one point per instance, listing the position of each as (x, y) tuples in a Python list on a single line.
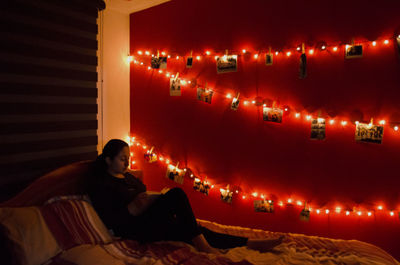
[(167, 75), (297, 115), (344, 123), (359, 213), (332, 121), (369, 213), (229, 96), (137, 144), (335, 49), (183, 82), (245, 102), (185, 169), (141, 63), (133, 162), (160, 71), (289, 200), (189, 82), (255, 194), (208, 52), (380, 207), (140, 52), (167, 161), (237, 191), (163, 53), (318, 211), (264, 105), (338, 209), (298, 48), (386, 42), (323, 47), (243, 51), (215, 57), (308, 117), (172, 76), (391, 213), (262, 196), (299, 203), (191, 175), (254, 102), (311, 51), (129, 58), (198, 57), (280, 203), (212, 186), (147, 52), (374, 43), (177, 57), (382, 122), (148, 67), (286, 109), (243, 197), (276, 53), (326, 211), (255, 56), (288, 53), (396, 128), (347, 213)]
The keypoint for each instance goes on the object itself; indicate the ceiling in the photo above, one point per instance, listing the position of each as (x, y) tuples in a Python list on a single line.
[(131, 6)]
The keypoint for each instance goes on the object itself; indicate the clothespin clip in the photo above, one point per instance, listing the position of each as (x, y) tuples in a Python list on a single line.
[(176, 76), (238, 94), (176, 167), (205, 87), (273, 104), (269, 50), (158, 53), (227, 188), (352, 41), (151, 150), (303, 49), (371, 122)]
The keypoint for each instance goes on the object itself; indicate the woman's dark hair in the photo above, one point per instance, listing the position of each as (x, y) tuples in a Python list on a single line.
[(111, 150)]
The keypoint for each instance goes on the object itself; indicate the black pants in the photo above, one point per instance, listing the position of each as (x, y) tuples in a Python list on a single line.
[(171, 217)]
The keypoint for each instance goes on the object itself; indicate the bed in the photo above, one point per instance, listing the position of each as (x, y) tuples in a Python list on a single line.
[(98, 247)]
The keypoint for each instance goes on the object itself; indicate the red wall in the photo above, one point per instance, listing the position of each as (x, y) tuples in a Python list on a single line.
[(278, 160)]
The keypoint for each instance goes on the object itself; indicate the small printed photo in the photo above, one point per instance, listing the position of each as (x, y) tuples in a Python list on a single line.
[(369, 133), (204, 94), (269, 58), (305, 215), (272, 114), (226, 195), (163, 62), (318, 129), (150, 157), (235, 103), (174, 86), (201, 186), (189, 62), (353, 51), (264, 206), (155, 62), (226, 64), (175, 174)]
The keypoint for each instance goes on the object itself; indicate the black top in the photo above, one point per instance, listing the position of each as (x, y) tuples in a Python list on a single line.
[(111, 195)]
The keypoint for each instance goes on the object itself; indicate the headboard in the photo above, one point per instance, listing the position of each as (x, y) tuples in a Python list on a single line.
[(66, 180)]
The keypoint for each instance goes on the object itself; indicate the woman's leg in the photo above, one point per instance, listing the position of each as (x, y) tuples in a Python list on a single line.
[(219, 240)]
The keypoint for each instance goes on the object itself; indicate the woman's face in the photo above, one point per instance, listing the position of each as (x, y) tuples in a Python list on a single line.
[(120, 162)]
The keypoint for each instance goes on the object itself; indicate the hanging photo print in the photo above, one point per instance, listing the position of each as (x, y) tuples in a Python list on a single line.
[(204, 94), (163, 62), (155, 62), (226, 195), (305, 215), (235, 102), (175, 86), (264, 206), (201, 186), (189, 60), (269, 57), (303, 63), (227, 63), (353, 51), (175, 174), (318, 129), (369, 133), (272, 114), (149, 156)]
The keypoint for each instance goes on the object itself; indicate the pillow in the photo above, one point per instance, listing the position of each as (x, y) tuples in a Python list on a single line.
[(28, 230), (75, 222)]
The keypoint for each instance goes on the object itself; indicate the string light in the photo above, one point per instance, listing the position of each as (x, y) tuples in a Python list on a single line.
[(297, 115), (308, 117), (311, 51), (335, 49), (344, 123), (374, 43), (347, 213), (140, 52), (129, 58), (255, 56), (382, 122), (228, 96), (147, 52), (208, 53), (327, 211), (386, 42), (288, 53), (391, 213), (198, 58), (323, 47), (243, 51), (332, 121), (396, 128)]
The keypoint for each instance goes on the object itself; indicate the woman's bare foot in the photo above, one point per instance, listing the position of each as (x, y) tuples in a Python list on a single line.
[(264, 245)]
